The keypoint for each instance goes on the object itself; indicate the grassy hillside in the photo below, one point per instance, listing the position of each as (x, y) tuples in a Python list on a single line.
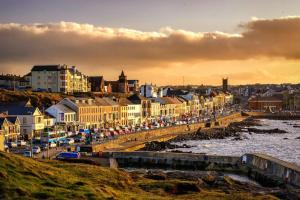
[(39, 99), (24, 178)]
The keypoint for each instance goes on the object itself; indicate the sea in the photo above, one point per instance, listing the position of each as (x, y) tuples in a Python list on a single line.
[(282, 146)]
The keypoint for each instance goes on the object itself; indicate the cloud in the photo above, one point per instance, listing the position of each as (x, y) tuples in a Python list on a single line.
[(98, 48)]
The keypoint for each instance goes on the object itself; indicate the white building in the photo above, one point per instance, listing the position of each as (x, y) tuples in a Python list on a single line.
[(150, 91), (134, 114), (62, 113)]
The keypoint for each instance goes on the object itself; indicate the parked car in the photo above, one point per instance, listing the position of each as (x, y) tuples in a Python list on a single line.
[(68, 155), (27, 154), (69, 141), (145, 128), (52, 145), (12, 144), (79, 139), (36, 149), (21, 143)]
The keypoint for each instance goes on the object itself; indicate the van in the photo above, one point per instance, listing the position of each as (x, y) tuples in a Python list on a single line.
[(27, 154), (68, 155)]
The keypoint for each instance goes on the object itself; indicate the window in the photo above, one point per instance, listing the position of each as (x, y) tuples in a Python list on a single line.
[(24, 120), (39, 120)]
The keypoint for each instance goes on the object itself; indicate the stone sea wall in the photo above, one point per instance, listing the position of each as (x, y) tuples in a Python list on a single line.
[(170, 160), (262, 164), (137, 139)]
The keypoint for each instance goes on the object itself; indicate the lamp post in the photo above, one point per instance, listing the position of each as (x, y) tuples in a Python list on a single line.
[(31, 144)]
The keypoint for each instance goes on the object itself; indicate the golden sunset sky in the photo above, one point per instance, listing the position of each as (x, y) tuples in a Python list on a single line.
[(202, 41)]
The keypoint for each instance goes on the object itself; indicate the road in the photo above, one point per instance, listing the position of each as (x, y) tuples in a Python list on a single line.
[(51, 153)]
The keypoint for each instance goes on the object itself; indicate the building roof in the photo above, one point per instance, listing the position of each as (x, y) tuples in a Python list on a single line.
[(109, 101), (175, 92), (265, 99), (12, 77), (96, 78), (17, 108), (137, 98), (81, 101), (12, 119), (46, 68), (2, 120), (132, 81), (48, 116), (168, 100), (64, 108), (124, 101), (28, 74), (122, 73), (105, 101)]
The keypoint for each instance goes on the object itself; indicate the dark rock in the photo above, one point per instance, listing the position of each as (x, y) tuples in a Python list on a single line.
[(266, 131), (209, 179), (237, 138), (160, 146), (285, 138), (156, 175), (297, 138), (186, 187)]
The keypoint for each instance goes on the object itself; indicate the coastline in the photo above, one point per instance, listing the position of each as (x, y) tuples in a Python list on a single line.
[(135, 141)]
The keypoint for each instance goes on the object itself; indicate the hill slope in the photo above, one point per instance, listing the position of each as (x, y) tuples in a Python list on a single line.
[(24, 178)]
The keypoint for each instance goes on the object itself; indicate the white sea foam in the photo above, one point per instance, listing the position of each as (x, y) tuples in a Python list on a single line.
[(271, 144)]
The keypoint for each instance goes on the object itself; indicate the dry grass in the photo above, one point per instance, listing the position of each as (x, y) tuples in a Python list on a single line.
[(24, 178)]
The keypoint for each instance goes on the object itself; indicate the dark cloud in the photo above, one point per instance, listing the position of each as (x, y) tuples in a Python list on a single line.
[(84, 44)]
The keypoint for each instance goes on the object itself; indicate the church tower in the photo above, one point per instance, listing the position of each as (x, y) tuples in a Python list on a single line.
[(123, 83)]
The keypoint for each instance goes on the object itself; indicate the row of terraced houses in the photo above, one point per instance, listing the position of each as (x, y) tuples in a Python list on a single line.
[(26, 121), (23, 120)]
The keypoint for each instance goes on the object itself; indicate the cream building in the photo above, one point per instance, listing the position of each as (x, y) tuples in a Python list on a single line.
[(31, 119), (58, 78), (10, 127), (155, 110), (110, 112), (88, 112), (134, 114)]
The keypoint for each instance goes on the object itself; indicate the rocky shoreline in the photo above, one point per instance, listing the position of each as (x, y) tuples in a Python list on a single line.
[(234, 130), (195, 181), (160, 146)]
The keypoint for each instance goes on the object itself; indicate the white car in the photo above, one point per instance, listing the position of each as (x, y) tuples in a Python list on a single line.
[(21, 143), (52, 145), (36, 149), (12, 144), (69, 141)]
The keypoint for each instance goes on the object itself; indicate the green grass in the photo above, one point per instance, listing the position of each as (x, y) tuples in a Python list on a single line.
[(24, 178)]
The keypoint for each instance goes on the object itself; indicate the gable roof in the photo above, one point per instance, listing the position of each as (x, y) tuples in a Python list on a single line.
[(17, 109), (124, 101), (12, 119), (3, 120), (64, 108)]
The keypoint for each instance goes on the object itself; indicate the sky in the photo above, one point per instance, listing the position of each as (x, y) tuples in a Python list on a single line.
[(162, 42)]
